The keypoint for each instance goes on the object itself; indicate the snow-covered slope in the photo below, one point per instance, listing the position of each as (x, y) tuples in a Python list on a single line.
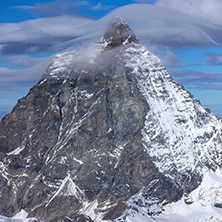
[(204, 204), (19, 217), (179, 134)]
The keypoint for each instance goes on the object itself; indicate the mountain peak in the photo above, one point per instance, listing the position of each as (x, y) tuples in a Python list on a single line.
[(118, 32), (109, 135)]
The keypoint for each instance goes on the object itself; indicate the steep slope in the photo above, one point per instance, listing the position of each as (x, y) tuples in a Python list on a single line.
[(202, 205), (181, 136), (103, 133)]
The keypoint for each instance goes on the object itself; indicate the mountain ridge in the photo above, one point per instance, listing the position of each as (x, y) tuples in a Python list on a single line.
[(105, 134)]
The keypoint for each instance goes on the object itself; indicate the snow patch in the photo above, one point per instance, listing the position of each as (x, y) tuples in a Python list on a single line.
[(209, 193), (21, 214), (67, 188), (78, 161), (17, 151), (203, 203), (89, 209)]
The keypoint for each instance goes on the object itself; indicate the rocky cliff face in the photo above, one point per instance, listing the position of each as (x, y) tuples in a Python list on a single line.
[(104, 134)]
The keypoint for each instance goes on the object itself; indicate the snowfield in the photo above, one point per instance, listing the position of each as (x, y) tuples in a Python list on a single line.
[(201, 207), (19, 217)]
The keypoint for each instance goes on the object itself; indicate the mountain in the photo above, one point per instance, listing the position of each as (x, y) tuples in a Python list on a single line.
[(106, 135)]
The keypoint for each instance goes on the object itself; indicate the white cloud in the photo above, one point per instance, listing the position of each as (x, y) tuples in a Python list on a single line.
[(159, 28), (21, 61), (167, 57), (168, 27), (13, 78), (209, 10), (214, 59), (100, 6), (24, 7), (39, 35), (54, 8), (44, 28), (145, 1), (167, 24), (153, 24), (199, 80), (4, 71)]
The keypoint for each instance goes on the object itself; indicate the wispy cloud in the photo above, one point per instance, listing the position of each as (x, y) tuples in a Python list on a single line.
[(24, 7), (214, 59), (21, 61), (6, 71), (100, 6), (204, 9), (160, 28), (11, 79), (167, 57), (145, 1), (40, 35), (154, 25), (198, 80), (55, 8), (168, 27)]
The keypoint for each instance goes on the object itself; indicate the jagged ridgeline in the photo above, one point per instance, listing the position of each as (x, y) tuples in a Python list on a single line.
[(104, 134)]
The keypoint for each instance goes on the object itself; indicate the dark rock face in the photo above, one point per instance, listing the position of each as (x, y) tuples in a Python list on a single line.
[(73, 147), (117, 33)]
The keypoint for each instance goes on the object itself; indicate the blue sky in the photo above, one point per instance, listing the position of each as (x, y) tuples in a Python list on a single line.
[(185, 34)]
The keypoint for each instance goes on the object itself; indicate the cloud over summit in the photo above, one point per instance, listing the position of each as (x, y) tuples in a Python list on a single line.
[(159, 27), (159, 24)]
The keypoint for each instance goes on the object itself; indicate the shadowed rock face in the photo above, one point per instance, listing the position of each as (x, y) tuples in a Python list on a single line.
[(74, 147)]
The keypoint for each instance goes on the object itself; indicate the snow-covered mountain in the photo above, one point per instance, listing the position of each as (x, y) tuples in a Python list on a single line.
[(108, 135)]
